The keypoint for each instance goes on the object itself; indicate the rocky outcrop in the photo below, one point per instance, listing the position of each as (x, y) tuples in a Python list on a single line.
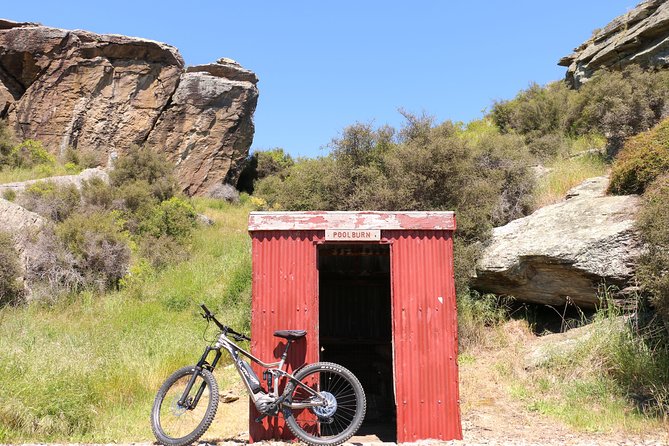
[(22, 224), (63, 180), (641, 36), (208, 128), (105, 93), (564, 251)]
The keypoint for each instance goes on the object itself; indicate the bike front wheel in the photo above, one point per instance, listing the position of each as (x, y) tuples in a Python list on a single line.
[(179, 419), (335, 422)]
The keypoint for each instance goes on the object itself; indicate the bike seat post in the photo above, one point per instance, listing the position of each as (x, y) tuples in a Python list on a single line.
[(284, 356)]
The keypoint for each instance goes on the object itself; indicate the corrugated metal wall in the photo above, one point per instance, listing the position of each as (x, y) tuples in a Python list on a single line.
[(425, 336), (284, 297)]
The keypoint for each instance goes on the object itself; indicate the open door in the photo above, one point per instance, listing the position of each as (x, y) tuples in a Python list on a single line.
[(355, 325)]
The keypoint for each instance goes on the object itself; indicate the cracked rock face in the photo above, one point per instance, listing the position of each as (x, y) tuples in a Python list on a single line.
[(564, 251), (640, 36), (104, 93)]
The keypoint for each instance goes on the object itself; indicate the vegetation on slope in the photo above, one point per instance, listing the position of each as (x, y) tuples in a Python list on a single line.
[(125, 325), (86, 368)]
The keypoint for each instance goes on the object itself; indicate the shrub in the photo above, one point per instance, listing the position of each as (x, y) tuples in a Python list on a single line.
[(96, 192), (619, 104), (53, 269), (9, 194), (175, 217), (653, 265), (80, 159), (51, 200), (143, 164), (534, 112), (30, 153), (136, 196), (10, 270), (643, 158), (99, 246), (549, 146)]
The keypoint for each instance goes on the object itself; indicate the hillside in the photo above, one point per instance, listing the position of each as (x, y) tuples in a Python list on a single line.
[(115, 223)]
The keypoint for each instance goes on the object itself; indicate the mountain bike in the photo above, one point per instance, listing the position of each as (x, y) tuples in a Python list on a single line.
[(322, 403)]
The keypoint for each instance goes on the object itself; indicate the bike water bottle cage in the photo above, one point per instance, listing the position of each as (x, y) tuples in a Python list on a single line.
[(291, 335)]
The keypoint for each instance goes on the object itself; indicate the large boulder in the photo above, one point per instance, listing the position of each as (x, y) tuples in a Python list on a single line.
[(23, 225), (640, 36), (564, 252), (105, 93), (207, 128)]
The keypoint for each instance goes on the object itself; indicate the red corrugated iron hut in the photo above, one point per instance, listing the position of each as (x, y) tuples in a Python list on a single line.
[(376, 294)]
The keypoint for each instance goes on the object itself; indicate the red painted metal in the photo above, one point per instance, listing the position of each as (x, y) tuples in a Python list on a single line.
[(286, 221), (425, 336), (285, 296)]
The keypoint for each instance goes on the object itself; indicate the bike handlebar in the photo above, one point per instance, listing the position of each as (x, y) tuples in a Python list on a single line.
[(224, 328)]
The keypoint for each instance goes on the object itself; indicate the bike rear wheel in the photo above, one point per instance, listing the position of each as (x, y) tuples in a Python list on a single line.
[(175, 424), (336, 422)]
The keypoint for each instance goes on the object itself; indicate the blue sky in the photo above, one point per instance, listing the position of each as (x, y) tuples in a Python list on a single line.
[(324, 65)]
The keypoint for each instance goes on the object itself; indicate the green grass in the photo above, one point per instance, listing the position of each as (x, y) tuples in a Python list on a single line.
[(565, 174), (87, 367), (583, 386), (38, 172)]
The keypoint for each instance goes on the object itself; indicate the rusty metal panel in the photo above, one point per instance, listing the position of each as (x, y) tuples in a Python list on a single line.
[(425, 336), (321, 220), (284, 297)]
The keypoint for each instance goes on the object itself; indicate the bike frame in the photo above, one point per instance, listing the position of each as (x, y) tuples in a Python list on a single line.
[(274, 368)]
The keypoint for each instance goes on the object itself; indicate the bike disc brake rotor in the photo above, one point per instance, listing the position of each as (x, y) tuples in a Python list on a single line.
[(330, 407)]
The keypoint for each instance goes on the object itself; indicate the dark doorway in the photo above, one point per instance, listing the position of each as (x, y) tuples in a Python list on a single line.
[(355, 325)]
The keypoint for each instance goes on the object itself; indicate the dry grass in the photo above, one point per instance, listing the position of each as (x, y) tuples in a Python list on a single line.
[(503, 383), (565, 174)]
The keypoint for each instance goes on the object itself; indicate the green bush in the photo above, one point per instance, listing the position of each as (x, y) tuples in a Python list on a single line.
[(534, 112), (143, 164), (619, 104), (643, 158), (549, 146), (51, 200), (477, 172), (10, 288), (96, 192), (175, 218), (80, 159), (653, 224), (30, 153)]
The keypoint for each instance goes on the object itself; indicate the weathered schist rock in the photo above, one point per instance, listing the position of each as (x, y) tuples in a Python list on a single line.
[(207, 128), (640, 36), (23, 225), (105, 93), (564, 252)]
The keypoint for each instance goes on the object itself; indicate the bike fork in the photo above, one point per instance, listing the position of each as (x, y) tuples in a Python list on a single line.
[(201, 364)]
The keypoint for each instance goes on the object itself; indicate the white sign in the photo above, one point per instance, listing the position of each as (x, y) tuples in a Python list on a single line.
[(353, 235)]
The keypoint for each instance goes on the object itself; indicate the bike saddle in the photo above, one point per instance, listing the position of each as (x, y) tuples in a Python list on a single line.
[(291, 335)]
